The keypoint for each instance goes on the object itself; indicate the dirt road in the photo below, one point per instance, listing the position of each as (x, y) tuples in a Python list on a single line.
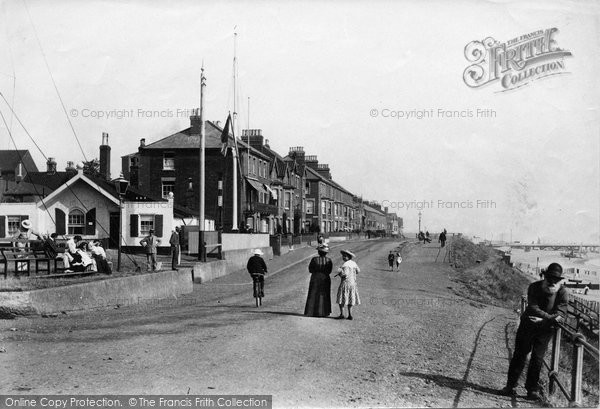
[(413, 342)]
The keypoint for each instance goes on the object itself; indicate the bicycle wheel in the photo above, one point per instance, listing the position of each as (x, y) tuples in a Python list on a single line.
[(257, 292)]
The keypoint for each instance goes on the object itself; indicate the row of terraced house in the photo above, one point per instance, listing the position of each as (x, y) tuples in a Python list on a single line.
[(291, 194)]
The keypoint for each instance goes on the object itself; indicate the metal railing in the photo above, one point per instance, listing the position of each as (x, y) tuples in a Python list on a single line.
[(580, 346)]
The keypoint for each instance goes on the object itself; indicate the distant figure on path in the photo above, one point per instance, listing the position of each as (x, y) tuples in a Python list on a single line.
[(348, 291), (391, 260), (318, 302), (442, 238), (150, 243), (398, 260), (257, 268), (545, 299)]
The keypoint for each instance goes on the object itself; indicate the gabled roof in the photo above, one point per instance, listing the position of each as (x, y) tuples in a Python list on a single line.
[(190, 139), (372, 209), (9, 159), (52, 181), (27, 189), (59, 181)]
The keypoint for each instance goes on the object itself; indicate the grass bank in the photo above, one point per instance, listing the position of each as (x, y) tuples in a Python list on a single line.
[(484, 276)]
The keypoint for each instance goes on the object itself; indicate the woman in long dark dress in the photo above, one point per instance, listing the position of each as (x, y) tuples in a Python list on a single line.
[(318, 302)]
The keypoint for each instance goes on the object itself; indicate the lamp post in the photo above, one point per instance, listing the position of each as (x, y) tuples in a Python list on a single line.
[(121, 185), (419, 222)]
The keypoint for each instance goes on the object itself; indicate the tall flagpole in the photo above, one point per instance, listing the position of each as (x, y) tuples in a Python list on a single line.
[(201, 222), (234, 150), (202, 151)]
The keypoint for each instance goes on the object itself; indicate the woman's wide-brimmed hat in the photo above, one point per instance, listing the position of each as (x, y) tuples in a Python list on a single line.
[(258, 252), (348, 253), (323, 248), (26, 224)]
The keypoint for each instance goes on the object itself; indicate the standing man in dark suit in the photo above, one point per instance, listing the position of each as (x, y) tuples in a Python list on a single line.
[(545, 299), (174, 242), (150, 243)]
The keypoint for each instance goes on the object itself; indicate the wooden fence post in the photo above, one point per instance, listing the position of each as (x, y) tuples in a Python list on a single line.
[(577, 372), (555, 359)]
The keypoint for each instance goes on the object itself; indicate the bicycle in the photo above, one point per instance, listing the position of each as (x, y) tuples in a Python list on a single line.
[(258, 286)]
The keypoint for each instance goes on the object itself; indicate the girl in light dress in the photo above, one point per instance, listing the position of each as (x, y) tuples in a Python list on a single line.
[(348, 291)]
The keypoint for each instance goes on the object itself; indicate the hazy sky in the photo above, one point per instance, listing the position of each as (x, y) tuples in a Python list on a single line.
[(314, 72)]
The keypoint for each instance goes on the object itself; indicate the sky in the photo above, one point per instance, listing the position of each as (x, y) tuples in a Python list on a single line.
[(338, 78)]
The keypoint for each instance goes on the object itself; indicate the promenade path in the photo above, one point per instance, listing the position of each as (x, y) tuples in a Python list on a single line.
[(413, 342)]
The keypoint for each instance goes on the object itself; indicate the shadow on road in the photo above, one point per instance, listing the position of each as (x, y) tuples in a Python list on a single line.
[(258, 311), (452, 383)]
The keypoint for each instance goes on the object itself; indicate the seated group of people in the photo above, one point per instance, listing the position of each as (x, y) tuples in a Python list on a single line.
[(79, 255)]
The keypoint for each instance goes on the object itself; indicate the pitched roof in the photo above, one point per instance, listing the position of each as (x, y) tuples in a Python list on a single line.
[(27, 189), (10, 158), (51, 182), (372, 209), (190, 139)]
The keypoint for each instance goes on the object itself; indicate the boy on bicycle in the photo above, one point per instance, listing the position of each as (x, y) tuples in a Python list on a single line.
[(257, 268)]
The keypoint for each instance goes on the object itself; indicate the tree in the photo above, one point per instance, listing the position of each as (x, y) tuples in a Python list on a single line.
[(92, 168)]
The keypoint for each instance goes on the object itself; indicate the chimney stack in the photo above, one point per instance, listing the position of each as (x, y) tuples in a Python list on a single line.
[(51, 166), (70, 169), (19, 172), (105, 157), (253, 137), (311, 161), (142, 142), (297, 153), (195, 122), (323, 170)]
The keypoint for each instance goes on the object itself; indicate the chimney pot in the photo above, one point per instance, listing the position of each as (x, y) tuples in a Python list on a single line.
[(142, 142)]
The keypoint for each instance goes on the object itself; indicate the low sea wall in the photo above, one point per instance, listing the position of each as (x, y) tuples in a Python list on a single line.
[(110, 292)]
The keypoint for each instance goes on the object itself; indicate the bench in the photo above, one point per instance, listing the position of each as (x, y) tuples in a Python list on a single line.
[(21, 256)]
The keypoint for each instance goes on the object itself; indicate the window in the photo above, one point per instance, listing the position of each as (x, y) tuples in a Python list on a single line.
[(168, 186), (168, 161), (133, 161), (287, 200), (13, 224), (310, 206), (76, 222), (323, 208), (146, 223)]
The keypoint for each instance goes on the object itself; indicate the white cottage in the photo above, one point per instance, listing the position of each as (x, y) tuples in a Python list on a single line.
[(87, 206)]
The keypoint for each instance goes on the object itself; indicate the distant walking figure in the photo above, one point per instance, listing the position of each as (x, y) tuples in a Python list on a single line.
[(442, 238), (398, 260), (391, 260), (545, 299), (318, 302), (348, 291)]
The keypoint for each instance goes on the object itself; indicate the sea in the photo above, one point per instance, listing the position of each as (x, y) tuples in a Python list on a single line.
[(588, 265)]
